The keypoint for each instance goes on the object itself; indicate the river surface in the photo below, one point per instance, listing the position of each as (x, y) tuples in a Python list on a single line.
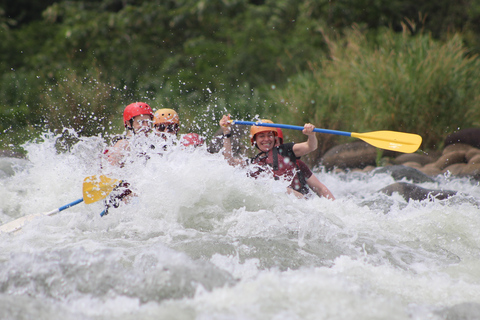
[(201, 240)]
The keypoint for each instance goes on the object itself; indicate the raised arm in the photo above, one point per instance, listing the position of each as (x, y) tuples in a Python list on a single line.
[(303, 148), (226, 124)]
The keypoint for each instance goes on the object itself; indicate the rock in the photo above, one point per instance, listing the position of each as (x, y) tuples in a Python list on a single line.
[(356, 154), (431, 170), (412, 164), (471, 170), (474, 159), (455, 169), (368, 168), (400, 172), (472, 153), (457, 147), (470, 136), (411, 191), (414, 157), (450, 158)]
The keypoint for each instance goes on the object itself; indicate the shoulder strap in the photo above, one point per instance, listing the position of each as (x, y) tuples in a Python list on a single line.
[(275, 158), (301, 176)]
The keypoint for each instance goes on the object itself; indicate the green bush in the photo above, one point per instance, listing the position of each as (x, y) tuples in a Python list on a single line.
[(404, 83)]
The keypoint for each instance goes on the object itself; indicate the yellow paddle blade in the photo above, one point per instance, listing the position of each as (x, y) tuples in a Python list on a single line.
[(96, 188), (391, 140)]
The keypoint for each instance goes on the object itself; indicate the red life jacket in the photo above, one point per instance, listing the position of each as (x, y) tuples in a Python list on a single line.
[(282, 163)]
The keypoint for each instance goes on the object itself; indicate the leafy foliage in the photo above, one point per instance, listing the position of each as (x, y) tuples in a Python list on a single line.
[(204, 58), (409, 84)]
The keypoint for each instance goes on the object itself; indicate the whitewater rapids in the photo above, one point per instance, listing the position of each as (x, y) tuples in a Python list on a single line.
[(201, 240)]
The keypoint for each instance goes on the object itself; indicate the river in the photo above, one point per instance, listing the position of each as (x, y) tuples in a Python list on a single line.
[(201, 240)]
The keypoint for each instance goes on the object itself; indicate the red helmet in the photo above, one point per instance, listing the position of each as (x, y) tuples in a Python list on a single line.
[(192, 139), (280, 133), (136, 109)]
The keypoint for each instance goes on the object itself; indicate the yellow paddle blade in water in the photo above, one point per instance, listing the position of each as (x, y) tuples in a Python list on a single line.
[(391, 140), (96, 188)]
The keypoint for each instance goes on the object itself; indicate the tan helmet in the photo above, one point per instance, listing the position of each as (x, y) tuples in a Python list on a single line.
[(168, 116)]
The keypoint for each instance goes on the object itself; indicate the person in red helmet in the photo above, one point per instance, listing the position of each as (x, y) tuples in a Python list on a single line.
[(306, 174), (279, 161), (137, 119)]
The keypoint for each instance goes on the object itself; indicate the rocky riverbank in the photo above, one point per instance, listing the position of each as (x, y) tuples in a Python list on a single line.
[(460, 157)]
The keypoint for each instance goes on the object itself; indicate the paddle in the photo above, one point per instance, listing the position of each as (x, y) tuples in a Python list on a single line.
[(389, 140), (95, 188)]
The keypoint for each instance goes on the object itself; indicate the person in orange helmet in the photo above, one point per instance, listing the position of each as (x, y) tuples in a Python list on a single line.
[(312, 181), (280, 161)]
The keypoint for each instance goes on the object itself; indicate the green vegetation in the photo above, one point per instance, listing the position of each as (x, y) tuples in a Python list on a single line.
[(351, 65), (409, 84)]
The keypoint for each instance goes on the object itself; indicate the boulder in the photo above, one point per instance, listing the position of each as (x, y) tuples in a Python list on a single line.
[(400, 172), (358, 154), (411, 191), (414, 157), (430, 170), (471, 169), (462, 147), (470, 136), (412, 164), (474, 159), (450, 158), (455, 169), (472, 153)]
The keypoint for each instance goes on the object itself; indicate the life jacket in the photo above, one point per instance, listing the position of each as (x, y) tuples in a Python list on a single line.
[(282, 163)]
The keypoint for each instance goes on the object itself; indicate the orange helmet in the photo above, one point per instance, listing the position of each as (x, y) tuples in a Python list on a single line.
[(257, 129), (169, 116), (136, 109)]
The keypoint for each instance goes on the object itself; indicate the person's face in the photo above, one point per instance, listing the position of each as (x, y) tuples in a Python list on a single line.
[(171, 128), (142, 123), (265, 140)]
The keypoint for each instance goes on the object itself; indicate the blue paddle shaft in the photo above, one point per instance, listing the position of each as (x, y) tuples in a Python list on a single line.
[(70, 204), (287, 126), (64, 207)]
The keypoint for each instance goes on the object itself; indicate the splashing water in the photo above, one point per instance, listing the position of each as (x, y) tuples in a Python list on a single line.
[(201, 240)]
